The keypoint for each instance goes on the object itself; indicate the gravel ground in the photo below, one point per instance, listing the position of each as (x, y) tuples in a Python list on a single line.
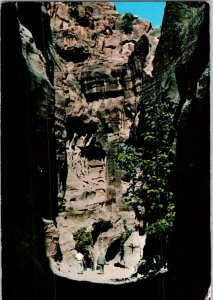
[(112, 274)]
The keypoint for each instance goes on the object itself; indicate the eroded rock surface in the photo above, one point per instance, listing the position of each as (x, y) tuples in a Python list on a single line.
[(180, 85), (29, 183), (98, 82)]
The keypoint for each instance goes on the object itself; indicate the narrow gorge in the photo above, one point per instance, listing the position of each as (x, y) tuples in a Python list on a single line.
[(106, 148)]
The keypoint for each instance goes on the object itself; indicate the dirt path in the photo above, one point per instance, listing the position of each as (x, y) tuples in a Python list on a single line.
[(112, 274)]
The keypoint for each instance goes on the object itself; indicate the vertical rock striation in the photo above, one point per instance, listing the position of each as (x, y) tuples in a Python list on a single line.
[(82, 81), (98, 80), (74, 83), (28, 183)]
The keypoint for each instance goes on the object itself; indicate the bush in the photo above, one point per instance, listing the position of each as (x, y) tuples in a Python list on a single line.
[(83, 239), (126, 23), (150, 169)]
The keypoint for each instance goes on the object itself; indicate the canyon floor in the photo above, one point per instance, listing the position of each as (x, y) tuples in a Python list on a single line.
[(112, 274)]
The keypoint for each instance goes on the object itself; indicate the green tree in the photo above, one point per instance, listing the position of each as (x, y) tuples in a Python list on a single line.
[(126, 23), (83, 239), (150, 168)]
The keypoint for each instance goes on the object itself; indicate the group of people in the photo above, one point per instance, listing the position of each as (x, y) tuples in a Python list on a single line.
[(86, 261)]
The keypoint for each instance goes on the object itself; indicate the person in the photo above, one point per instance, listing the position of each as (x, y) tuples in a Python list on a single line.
[(101, 262), (85, 260), (88, 261), (79, 257), (92, 267)]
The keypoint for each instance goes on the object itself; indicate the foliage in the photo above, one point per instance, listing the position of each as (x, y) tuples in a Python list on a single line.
[(150, 168), (72, 85), (126, 23), (83, 239)]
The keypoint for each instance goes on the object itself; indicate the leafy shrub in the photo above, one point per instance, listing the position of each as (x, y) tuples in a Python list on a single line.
[(150, 169), (83, 239), (126, 23)]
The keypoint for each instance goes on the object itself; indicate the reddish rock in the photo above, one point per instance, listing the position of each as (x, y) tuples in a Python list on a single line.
[(98, 82)]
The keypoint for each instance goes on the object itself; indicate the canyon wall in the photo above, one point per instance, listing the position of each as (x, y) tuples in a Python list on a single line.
[(81, 79), (98, 82), (73, 87), (181, 84), (28, 183)]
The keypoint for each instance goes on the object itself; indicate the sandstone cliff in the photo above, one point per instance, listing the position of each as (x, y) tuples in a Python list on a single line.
[(84, 77), (71, 92), (98, 81), (180, 84)]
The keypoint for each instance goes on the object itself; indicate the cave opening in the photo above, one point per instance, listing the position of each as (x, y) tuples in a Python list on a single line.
[(93, 152), (99, 227), (79, 126), (73, 54), (96, 96), (113, 249)]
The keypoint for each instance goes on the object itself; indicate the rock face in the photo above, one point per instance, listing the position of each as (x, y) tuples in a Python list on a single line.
[(81, 79), (70, 94), (28, 105), (180, 83), (98, 81)]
